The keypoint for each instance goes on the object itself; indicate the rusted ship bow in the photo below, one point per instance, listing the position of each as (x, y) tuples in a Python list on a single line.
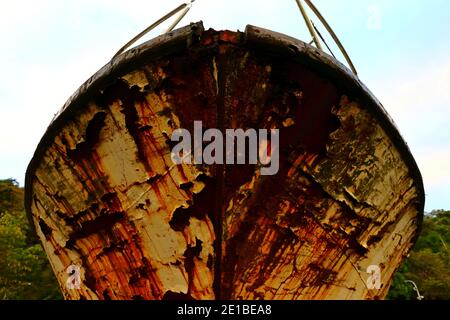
[(104, 194)]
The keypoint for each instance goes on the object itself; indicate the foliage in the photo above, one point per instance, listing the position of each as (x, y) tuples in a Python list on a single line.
[(428, 264), (25, 272)]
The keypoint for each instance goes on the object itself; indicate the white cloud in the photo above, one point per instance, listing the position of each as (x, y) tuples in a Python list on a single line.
[(374, 19), (418, 99), (435, 166), (422, 85)]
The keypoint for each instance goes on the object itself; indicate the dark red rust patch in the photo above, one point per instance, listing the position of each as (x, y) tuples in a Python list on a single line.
[(84, 149), (97, 225), (45, 229), (190, 254), (203, 204)]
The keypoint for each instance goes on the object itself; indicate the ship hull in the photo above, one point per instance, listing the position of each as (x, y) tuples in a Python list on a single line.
[(105, 196)]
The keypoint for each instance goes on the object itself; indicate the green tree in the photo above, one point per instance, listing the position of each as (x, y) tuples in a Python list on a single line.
[(428, 264), (25, 272)]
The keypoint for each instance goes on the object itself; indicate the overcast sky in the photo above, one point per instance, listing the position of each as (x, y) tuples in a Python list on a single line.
[(48, 48)]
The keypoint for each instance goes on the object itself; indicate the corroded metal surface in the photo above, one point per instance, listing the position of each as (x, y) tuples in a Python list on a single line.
[(103, 193)]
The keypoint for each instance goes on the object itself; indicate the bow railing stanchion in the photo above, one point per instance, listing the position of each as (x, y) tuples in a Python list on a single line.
[(180, 17), (309, 24), (332, 33), (185, 6)]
